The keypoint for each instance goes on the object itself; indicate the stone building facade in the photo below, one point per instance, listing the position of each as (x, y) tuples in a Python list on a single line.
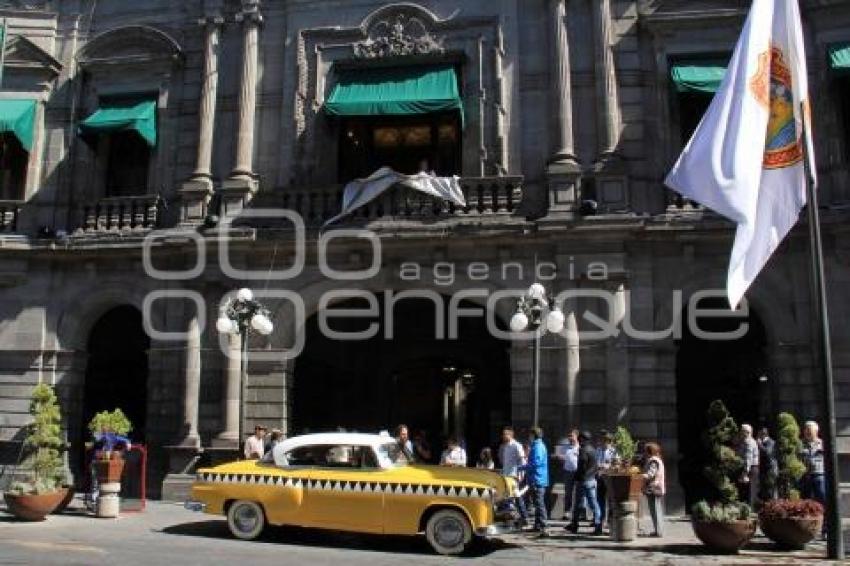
[(570, 121)]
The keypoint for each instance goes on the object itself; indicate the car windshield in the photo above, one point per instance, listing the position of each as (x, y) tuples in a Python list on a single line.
[(391, 455)]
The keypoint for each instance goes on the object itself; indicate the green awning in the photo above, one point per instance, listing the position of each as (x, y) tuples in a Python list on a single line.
[(839, 57), (702, 76), (136, 115), (395, 91), (18, 117)]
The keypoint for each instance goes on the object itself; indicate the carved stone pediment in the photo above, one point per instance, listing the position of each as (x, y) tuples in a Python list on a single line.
[(21, 53), (397, 33), (130, 45)]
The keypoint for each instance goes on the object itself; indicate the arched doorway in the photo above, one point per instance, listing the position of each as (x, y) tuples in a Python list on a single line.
[(734, 371), (117, 368), (442, 387)]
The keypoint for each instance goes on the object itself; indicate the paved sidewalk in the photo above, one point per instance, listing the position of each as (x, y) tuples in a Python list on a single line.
[(168, 534)]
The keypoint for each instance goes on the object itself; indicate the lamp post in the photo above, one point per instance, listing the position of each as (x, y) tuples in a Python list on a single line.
[(536, 312), (239, 316)]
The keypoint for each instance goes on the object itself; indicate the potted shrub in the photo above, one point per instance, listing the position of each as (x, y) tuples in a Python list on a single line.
[(723, 524), (109, 428), (623, 479), (789, 521), (33, 500)]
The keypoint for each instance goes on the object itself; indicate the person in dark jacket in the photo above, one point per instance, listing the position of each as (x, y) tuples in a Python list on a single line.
[(586, 484), (537, 477)]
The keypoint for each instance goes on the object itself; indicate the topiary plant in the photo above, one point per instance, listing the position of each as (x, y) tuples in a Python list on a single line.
[(625, 446), (724, 466), (112, 421), (788, 447), (42, 445)]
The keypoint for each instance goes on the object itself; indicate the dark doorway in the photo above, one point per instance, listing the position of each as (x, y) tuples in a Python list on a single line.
[(734, 371), (442, 387), (117, 370)]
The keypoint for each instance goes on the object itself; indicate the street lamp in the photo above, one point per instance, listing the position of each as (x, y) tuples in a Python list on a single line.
[(240, 315), (533, 312)]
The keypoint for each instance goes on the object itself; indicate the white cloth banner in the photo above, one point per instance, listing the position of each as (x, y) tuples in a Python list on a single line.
[(745, 159), (360, 192)]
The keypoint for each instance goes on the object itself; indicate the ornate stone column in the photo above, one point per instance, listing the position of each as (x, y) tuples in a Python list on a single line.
[(573, 366), (617, 360), (608, 168), (197, 191), (564, 170), (241, 184), (229, 436)]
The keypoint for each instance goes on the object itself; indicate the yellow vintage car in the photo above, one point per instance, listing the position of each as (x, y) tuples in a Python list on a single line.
[(355, 482)]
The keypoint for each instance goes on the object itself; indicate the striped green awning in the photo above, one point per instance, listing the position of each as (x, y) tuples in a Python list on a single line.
[(133, 115), (703, 76), (18, 117), (416, 89), (839, 57)]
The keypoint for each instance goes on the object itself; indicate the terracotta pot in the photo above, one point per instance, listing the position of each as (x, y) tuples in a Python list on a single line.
[(793, 532), (624, 487), (109, 471), (66, 500), (34, 507), (725, 538)]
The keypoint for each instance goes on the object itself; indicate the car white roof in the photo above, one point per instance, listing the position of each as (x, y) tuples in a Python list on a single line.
[(334, 438)]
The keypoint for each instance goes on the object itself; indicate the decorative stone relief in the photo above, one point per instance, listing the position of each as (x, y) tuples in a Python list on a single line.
[(398, 35)]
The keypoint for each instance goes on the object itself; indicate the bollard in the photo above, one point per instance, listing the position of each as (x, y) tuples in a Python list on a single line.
[(108, 502), (624, 523)]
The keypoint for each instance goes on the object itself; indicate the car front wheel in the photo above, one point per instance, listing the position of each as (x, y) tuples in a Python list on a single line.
[(448, 531), (246, 519)]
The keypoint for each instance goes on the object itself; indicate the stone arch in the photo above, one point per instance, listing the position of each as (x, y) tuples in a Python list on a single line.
[(130, 44), (407, 9)]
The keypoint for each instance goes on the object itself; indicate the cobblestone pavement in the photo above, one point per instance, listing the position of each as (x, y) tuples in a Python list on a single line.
[(167, 534)]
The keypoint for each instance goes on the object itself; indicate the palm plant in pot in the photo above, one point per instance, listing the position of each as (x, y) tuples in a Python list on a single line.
[(789, 521), (623, 478), (724, 524), (34, 499)]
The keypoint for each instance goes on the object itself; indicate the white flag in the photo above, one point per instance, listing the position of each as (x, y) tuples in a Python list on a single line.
[(745, 159)]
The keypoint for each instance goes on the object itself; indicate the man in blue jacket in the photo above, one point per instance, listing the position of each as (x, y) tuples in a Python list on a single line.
[(537, 475)]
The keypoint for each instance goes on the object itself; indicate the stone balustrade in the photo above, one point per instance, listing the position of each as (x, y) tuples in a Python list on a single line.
[(485, 196), (121, 214), (9, 212)]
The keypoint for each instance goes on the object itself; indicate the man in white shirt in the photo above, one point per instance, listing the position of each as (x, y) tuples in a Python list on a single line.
[(512, 457), (567, 452), (255, 444), (454, 454)]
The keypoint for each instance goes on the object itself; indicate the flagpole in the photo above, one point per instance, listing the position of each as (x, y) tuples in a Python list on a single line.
[(835, 540)]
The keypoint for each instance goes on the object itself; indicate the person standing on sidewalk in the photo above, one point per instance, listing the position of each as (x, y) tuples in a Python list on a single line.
[(512, 458), (605, 456), (567, 453), (586, 484), (748, 451), (537, 476), (653, 474), (813, 482)]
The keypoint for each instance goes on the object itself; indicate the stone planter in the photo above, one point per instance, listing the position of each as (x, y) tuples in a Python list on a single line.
[(624, 487), (725, 538), (31, 507), (792, 533)]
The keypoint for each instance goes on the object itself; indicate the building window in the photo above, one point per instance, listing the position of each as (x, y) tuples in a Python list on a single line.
[(127, 163), (694, 81), (429, 142), (13, 167)]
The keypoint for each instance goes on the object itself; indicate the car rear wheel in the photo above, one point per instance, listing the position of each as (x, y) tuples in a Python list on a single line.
[(246, 519), (448, 531)]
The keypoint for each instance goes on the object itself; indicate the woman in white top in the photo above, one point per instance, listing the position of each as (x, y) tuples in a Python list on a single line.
[(453, 455)]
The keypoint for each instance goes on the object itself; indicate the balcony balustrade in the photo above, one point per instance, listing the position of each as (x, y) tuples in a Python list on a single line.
[(121, 214), (9, 213)]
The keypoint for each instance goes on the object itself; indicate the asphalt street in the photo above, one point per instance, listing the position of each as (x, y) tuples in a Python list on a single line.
[(169, 535)]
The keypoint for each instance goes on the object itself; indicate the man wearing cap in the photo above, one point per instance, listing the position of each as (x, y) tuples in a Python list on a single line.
[(255, 444)]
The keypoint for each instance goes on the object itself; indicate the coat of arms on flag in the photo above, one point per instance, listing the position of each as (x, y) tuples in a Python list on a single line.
[(782, 143)]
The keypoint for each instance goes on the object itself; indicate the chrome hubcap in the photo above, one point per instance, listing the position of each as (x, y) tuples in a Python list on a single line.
[(246, 519), (449, 532)]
